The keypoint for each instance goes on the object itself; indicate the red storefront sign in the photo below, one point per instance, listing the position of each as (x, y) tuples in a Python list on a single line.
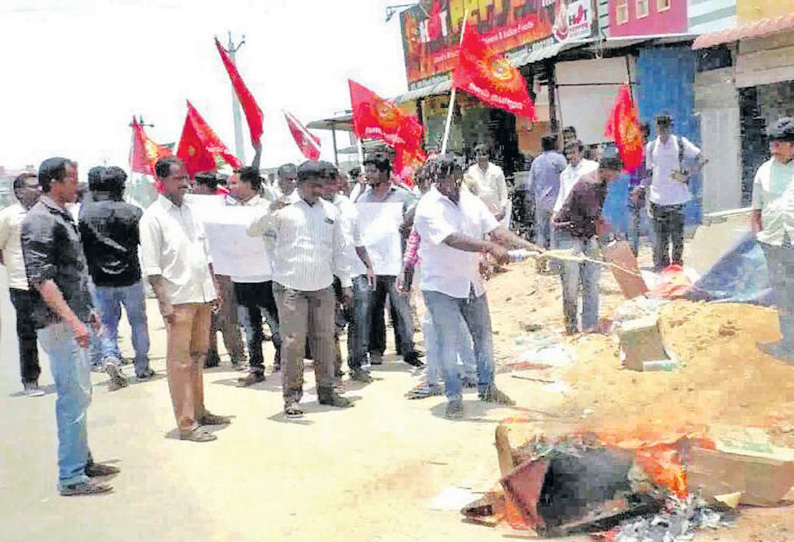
[(431, 30)]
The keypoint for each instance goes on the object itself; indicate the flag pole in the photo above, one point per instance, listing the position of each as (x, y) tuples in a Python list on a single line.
[(452, 94)]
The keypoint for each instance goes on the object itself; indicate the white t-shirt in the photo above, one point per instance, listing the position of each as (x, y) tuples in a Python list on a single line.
[(570, 176), (445, 269), (662, 159)]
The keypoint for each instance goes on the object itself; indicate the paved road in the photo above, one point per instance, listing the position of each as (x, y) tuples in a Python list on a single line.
[(368, 473)]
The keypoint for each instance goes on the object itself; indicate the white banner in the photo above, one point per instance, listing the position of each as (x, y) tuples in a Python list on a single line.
[(234, 252)]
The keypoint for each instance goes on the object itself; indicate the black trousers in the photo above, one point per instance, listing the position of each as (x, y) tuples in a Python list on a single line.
[(26, 332), (256, 297), (668, 225)]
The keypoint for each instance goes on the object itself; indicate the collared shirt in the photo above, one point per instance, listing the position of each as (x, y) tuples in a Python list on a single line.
[(174, 246), (445, 269), (661, 160), (386, 255), (267, 266), (570, 176), (544, 178), (110, 235), (773, 195), (309, 244), (52, 251), (489, 185), (348, 216), (582, 209), (11, 245)]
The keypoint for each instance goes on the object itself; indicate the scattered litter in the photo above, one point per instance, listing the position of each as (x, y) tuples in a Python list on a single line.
[(453, 499), (553, 356)]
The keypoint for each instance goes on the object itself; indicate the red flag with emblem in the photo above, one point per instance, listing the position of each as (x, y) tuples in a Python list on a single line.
[(308, 143), (199, 148), (253, 114), (623, 125), (377, 118), (144, 153), (490, 77)]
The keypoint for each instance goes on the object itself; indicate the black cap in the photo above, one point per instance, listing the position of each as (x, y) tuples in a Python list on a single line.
[(782, 130)]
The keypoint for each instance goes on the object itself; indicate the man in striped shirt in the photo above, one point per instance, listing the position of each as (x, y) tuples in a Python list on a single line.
[(308, 252)]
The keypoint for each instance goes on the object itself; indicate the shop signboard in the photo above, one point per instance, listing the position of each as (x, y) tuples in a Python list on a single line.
[(431, 29)]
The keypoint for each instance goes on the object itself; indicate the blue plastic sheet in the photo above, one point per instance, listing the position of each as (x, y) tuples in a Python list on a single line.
[(740, 276)]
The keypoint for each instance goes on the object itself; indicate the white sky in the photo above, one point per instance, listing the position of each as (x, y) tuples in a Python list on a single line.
[(74, 75)]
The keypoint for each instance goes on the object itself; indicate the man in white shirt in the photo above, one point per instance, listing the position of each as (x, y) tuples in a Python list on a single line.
[(287, 178), (666, 157), (773, 224), (370, 309), (27, 192), (255, 293), (308, 252), (486, 180), (452, 224), (177, 262), (356, 256), (578, 166)]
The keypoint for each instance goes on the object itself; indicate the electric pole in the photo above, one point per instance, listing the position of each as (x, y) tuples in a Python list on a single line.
[(239, 146)]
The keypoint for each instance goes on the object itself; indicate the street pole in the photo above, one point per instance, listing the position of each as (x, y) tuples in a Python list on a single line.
[(239, 146)]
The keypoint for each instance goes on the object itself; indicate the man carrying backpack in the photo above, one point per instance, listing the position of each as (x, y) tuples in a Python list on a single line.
[(669, 190)]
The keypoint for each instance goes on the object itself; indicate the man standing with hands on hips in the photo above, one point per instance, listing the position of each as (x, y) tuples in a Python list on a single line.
[(177, 262)]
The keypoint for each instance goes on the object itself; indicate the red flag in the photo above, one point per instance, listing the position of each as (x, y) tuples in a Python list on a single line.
[(253, 114), (199, 148), (376, 118), (309, 144), (406, 161), (144, 153), (489, 76), (623, 124)]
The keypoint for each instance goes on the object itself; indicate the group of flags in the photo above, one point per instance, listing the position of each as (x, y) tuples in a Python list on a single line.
[(480, 71)]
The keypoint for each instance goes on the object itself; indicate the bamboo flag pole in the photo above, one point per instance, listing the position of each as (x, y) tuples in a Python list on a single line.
[(452, 94)]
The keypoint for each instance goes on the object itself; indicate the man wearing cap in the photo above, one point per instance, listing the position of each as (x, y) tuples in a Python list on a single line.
[(452, 225), (666, 157), (307, 254), (577, 224), (773, 224)]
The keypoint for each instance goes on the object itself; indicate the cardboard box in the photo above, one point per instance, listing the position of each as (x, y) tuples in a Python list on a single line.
[(630, 281), (762, 480), (640, 341)]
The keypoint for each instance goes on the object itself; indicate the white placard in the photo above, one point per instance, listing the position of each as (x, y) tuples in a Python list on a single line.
[(233, 251), (380, 230)]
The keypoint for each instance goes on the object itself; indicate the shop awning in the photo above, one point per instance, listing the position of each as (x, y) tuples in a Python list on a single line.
[(536, 55), (431, 90), (758, 29), (341, 122)]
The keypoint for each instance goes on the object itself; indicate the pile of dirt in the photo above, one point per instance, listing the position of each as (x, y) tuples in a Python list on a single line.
[(724, 377)]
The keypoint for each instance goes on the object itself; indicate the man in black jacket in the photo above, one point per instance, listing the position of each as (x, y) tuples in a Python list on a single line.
[(110, 238)]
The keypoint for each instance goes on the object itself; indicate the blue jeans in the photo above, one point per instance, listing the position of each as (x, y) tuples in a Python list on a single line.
[(780, 261), (358, 329), (70, 369), (543, 232), (448, 315), (467, 365), (573, 274), (110, 300)]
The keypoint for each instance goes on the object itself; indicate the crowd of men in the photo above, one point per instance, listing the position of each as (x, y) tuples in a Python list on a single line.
[(70, 276)]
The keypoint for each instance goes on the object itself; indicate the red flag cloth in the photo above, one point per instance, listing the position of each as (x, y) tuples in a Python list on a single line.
[(144, 153), (199, 148), (406, 161), (376, 118), (490, 77), (253, 114), (623, 124), (309, 144)]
